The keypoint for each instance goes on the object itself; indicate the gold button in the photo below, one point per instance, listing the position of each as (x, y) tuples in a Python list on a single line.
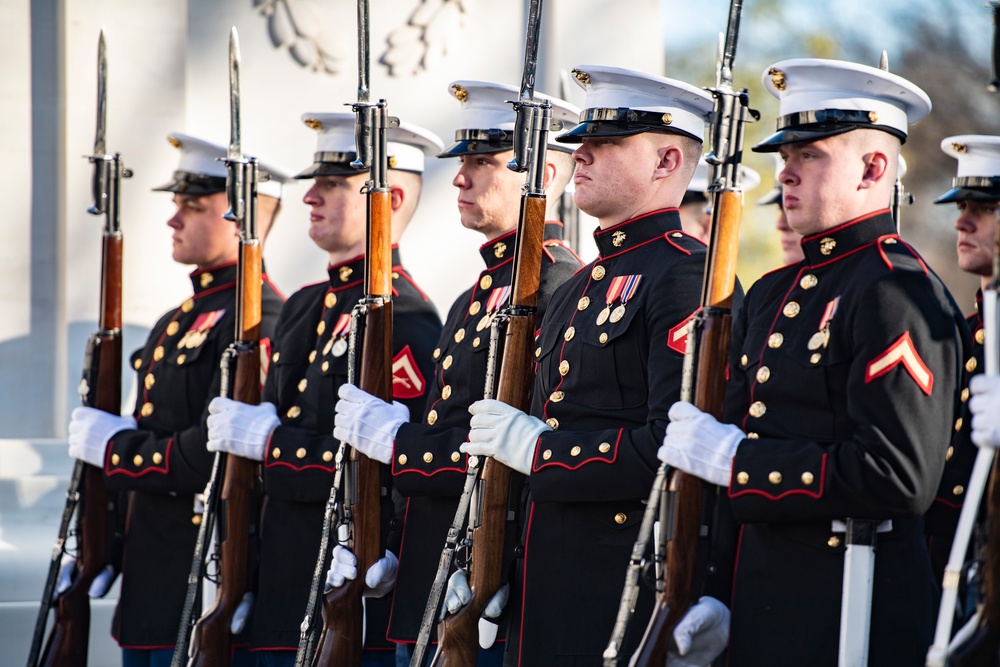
[(181, 358), (971, 364), (446, 364), (949, 454), (547, 454), (814, 359), (158, 353), (833, 542), (147, 409), (742, 477), (774, 477), (958, 424), (621, 518), (276, 356), (807, 478), (980, 336), (568, 336), (553, 423), (312, 356), (320, 328), (575, 451), (187, 305), (965, 394), (744, 361), (598, 272), (276, 453), (604, 447), (327, 456), (402, 459), (474, 308), (791, 309), (300, 453), (557, 396), (603, 338), (751, 435), (563, 367), (437, 352), (757, 409), (428, 457), (303, 383), (331, 300), (775, 340), (459, 335), (486, 281), (583, 303), (325, 366), (115, 459), (808, 281), (476, 341), (294, 411), (137, 460), (432, 417), (196, 519), (157, 458), (149, 381), (137, 364), (763, 374), (455, 457), (958, 490), (172, 328), (538, 352), (446, 392)]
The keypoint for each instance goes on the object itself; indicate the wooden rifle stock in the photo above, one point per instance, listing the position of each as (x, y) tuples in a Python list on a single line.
[(459, 632), (211, 639), (341, 642)]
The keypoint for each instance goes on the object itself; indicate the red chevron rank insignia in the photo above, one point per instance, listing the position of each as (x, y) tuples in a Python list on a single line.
[(902, 352), (677, 337), (407, 381)]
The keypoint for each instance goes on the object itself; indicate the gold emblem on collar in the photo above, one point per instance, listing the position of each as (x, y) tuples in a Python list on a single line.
[(826, 245), (345, 273), (461, 94), (206, 279), (499, 249), (777, 78), (618, 238)]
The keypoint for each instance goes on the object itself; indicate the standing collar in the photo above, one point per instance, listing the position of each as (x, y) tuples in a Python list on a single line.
[(834, 243), (627, 235), (353, 270), (501, 249), (213, 276)]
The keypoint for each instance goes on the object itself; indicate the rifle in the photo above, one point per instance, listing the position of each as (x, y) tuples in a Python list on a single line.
[(677, 498), (100, 388), (982, 647), (487, 500), (211, 638), (342, 637)]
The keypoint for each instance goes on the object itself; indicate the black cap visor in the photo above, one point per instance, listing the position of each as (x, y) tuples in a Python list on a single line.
[(197, 185), (479, 142), (621, 122)]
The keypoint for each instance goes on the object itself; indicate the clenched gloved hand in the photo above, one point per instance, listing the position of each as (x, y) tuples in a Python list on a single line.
[(367, 423), (701, 635), (240, 429), (505, 433), (458, 594), (985, 408), (90, 430), (699, 444), (379, 579)]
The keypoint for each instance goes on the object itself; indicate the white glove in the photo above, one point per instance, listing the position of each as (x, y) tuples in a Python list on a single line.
[(367, 423), (701, 635), (99, 587), (379, 579), (505, 433), (240, 429), (90, 430), (458, 594), (699, 445), (242, 613), (985, 408)]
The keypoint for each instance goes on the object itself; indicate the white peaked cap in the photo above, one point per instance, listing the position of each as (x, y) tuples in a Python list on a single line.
[(978, 176), (201, 170)]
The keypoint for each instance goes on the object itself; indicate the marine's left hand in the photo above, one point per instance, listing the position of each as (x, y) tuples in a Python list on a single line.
[(505, 433), (985, 408), (379, 579), (699, 445), (90, 430), (701, 635)]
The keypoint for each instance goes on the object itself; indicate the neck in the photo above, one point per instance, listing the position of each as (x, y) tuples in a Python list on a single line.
[(344, 254), (497, 232)]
